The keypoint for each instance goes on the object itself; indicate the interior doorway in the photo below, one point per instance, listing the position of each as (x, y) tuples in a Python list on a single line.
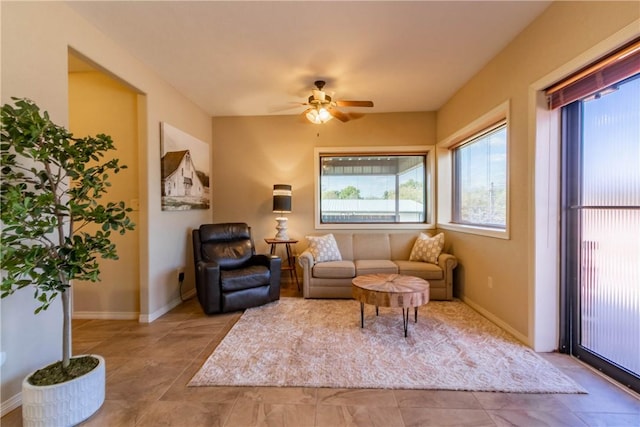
[(101, 103)]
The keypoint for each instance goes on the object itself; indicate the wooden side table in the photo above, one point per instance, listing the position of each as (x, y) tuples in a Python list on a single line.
[(291, 266)]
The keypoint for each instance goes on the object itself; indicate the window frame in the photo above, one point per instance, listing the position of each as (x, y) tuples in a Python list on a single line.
[(422, 150), (456, 152), (445, 175)]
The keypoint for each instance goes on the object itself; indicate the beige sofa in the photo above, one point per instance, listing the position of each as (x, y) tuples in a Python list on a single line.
[(370, 253)]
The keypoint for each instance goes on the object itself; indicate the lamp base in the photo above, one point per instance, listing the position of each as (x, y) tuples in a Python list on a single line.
[(282, 229)]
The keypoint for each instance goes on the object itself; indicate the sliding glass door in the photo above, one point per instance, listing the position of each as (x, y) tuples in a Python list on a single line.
[(601, 224)]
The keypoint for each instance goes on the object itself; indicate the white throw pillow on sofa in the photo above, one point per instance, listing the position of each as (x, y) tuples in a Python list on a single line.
[(427, 249), (324, 248)]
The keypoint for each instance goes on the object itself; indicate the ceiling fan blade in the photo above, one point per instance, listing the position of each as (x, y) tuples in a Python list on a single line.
[(354, 103), (339, 115), (289, 106)]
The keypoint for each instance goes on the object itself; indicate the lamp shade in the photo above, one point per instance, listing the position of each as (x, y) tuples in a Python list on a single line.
[(281, 198)]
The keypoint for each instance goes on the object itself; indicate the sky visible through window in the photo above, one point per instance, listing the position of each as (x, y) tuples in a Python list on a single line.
[(611, 156), (484, 161)]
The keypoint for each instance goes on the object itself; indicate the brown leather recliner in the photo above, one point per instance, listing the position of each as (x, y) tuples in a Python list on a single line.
[(230, 276)]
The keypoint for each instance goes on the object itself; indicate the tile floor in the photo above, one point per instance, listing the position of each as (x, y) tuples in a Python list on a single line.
[(149, 366)]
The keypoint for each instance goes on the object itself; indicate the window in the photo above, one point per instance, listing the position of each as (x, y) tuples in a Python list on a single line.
[(480, 179), (473, 176), (373, 188)]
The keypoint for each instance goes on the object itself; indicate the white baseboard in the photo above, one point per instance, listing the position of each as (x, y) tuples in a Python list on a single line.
[(10, 404), (142, 318), (148, 318), (105, 315), (520, 337)]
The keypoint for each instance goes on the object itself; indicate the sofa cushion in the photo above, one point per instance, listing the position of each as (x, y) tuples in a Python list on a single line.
[(345, 245), (426, 248), (334, 269), (228, 244), (401, 245), (371, 246), (324, 248), (375, 266), (424, 270), (244, 278)]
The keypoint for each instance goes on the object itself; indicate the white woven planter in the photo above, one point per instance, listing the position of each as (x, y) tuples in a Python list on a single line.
[(64, 404)]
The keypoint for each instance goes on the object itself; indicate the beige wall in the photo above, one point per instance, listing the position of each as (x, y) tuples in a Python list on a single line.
[(250, 154), (99, 103), (563, 32), (35, 38)]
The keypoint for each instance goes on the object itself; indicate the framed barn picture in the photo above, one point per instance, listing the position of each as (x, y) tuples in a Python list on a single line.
[(184, 166)]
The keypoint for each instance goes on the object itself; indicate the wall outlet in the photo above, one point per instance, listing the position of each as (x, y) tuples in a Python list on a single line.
[(490, 282), (180, 274)]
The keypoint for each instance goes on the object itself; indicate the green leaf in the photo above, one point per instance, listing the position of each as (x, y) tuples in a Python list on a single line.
[(51, 185)]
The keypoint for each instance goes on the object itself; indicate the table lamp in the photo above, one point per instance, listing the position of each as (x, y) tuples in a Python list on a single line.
[(281, 205)]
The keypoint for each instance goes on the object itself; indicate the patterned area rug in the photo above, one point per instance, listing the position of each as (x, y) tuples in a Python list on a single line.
[(319, 343)]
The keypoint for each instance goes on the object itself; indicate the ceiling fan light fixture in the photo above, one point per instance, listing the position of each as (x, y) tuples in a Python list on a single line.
[(318, 115), (321, 106), (319, 95), (324, 115), (312, 116)]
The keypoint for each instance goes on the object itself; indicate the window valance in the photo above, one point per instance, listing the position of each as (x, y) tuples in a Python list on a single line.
[(597, 77)]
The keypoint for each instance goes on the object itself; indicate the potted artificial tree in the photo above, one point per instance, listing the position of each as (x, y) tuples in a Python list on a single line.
[(51, 184)]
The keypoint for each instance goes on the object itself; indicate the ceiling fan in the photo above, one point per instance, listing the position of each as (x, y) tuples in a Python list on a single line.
[(322, 108)]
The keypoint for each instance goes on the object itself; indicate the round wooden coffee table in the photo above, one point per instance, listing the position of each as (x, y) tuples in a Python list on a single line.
[(390, 290)]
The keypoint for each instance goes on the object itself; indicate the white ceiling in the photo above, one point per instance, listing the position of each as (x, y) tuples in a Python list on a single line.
[(237, 58)]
